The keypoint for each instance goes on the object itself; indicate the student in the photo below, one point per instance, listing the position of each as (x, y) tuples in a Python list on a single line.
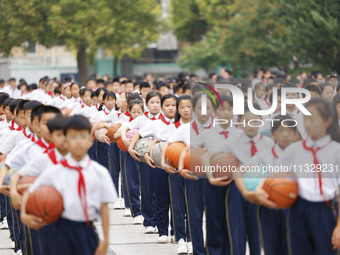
[(176, 183), (8, 114), (314, 91), (68, 97), (100, 93), (272, 222), (186, 89), (34, 168), (313, 222), (84, 107), (115, 86), (327, 91), (161, 178), (224, 234), (163, 88), (260, 95), (144, 90), (128, 86), (74, 231), (3, 97), (153, 102)]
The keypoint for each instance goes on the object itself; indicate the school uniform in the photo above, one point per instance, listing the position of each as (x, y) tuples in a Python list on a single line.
[(263, 103), (313, 217), (13, 139), (74, 232), (147, 175), (272, 222), (84, 110), (226, 231)]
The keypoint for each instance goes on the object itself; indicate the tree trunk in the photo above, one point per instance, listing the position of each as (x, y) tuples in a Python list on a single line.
[(115, 67), (82, 64)]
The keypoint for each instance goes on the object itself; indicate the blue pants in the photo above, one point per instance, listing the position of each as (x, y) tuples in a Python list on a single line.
[(273, 228), (122, 158), (132, 184), (252, 228), (195, 191), (114, 166), (102, 154), (47, 239), (226, 233), (2, 207), (32, 243), (178, 207), (92, 151), (311, 225), (148, 204), (75, 238), (162, 197), (13, 224)]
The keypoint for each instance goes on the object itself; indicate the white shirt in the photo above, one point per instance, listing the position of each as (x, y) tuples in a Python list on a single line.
[(99, 187), (181, 134), (100, 115), (295, 155), (25, 154), (164, 135), (14, 138), (155, 128), (38, 165)]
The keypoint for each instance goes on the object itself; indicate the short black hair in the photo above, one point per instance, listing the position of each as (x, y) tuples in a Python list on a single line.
[(107, 83), (336, 99), (100, 81), (152, 94), (20, 106), (224, 98), (31, 104), (82, 91), (324, 85), (197, 97), (186, 87), (178, 87), (74, 83), (287, 118), (36, 111), (14, 104), (168, 96), (78, 123), (3, 98), (48, 109), (136, 83), (131, 97), (99, 90), (7, 102), (93, 94), (109, 94), (136, 101), (144, 85), (57, 123), (314, 88), (162, 84)]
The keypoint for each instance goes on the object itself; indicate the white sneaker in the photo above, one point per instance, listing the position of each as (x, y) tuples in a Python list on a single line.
[(138, 220), (190, 248), (127, 212), (156, 230), (12, 245), (117, 205), (182, 247), (4, 224), (149, 230), (163, 239), (19, 252), (122, 203)]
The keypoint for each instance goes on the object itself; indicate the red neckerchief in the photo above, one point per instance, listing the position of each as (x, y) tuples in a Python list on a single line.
[(33, 138), (315, 159), (127, 113), (162, 118), (274, 153), (225, 133), (107, 113), (52, 156), (19, 128), (62, 98), (25, 134), (81, 187), (131, 119), (265, 100), (253, 148), (97, 107), (42, 145), (50, 94), (177, 123), (153, 118), (195, 127), (12, 125)]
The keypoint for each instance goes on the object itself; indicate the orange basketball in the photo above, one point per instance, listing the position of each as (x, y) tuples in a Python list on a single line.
[(24, 183), (45, 202), (193, 162), (121, 145), (112, 131), (282, 189), (223, 165), (173, 152)]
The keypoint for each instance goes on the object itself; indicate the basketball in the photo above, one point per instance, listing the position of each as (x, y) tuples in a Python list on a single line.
[(193, 162), (131, 133), (282, 189), (112, 131), (142, 146), (121, 145), (24, 183), (156, 154), (223, 165), (45, 202), (173, 152)]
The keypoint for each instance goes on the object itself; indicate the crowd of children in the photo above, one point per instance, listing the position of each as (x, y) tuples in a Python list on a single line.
[(57, 131)]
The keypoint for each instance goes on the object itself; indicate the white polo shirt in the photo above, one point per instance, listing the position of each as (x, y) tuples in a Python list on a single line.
[(181, 134)]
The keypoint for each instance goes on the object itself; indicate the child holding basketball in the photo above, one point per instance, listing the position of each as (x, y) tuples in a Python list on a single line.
[(74, 231), (271, 222), (314, 227)]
